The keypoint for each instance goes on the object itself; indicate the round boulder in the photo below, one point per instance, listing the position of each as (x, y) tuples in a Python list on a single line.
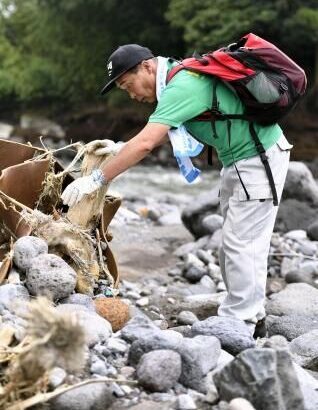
[(26, 249), (50, 274), (312, 230), (159, 370)]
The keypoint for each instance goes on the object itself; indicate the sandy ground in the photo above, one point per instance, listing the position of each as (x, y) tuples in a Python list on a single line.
[(143, 250)]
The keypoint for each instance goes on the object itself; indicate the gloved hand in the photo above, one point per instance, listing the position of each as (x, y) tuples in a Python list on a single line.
[(103, 147), (75, 191)]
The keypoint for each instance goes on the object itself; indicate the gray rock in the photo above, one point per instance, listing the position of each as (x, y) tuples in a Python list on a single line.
[(296, 276), (190, 247), (97, 396), (191, 260), (214, 271), (193, 214), (296, 235), (14, 277), (300, 183), (186, 318), (205, 256), (101, 350), (312, 230), (295, 299), (288, 264), (56, 377), (290, 326), (265, 377), (212, 395), (185, 330), (208, 283), (157, 340), (186, 289), (170, 218), (186, 402), (309, 387), (139, 326), (305, 272), (203, 306), (117, 345), (294, 214), (25, 249), (80, 299), (150, 405), (42, 125), (159, 370), (233, 333), (214, 241), (117, 390), (240, 404), (154, 214), (223, 360), (212, 223), (276, 342), (50, 274), (99, 367), (199, 356), (305, 350), (194, 273), (97, 329), (307, 248), (11, 295), (142, 302)]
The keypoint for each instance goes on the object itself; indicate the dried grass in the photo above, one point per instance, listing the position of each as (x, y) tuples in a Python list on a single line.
[(52, 339)]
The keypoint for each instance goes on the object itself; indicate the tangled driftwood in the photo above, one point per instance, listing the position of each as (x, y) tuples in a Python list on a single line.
[(30, 187), (52, 339)]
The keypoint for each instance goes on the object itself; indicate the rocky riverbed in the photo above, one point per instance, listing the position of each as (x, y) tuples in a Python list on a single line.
[(174, 352)]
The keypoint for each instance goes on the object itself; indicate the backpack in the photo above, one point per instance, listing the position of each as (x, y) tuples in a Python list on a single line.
[(266, 80)]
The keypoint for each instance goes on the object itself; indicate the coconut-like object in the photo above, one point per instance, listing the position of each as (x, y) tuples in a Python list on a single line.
[(113, 310)]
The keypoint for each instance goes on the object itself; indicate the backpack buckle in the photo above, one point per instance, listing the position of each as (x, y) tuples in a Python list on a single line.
[(217, 114)]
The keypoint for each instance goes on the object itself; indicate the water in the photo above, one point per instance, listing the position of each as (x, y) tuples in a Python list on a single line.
[(162, 184)]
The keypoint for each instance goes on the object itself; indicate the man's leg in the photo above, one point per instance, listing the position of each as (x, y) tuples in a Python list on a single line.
[(247, 231)]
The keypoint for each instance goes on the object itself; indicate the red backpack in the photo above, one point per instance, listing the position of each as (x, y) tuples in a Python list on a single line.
[(266, 80)]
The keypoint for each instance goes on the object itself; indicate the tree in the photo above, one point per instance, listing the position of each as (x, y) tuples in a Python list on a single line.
[(56, 50), (290, 24)]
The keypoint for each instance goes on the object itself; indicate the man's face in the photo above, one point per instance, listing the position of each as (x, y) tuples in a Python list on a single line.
[(140, 85)]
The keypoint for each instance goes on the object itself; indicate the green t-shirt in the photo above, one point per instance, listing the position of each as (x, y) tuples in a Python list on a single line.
[(189, 94)]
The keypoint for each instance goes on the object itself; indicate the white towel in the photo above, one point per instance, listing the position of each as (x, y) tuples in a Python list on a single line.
[(183, 144)]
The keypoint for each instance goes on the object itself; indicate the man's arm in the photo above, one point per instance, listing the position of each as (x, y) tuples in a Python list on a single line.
[(136, 149), (151, 136)]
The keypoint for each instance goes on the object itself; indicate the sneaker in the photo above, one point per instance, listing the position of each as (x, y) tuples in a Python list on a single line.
[(260, 329)]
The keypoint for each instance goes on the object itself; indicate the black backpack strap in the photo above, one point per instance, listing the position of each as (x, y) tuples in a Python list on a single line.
[(262, 153), (229, 124), (215, 112), (210, 155)]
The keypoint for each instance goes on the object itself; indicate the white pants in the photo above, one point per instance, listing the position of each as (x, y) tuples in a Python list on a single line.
[(247, 230)]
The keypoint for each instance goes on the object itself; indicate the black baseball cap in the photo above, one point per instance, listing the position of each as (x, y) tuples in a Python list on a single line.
[(122, 60)]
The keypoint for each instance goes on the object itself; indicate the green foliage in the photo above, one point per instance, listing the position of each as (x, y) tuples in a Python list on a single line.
[(56, 50)]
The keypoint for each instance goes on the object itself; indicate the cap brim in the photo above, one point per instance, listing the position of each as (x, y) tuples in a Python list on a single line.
[(108, 86), (111, 84)]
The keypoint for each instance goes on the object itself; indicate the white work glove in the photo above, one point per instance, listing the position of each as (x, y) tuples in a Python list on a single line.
[(103, 147), (75, 191)]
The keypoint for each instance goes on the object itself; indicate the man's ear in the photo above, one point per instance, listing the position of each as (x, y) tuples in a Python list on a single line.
[(147, 64)]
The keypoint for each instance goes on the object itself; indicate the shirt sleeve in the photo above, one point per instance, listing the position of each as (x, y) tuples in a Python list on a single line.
[(182, 100)]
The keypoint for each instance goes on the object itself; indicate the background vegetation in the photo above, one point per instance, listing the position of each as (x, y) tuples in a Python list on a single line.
[(55, 50)]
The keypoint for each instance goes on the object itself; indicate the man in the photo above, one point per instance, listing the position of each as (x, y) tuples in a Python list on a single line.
[(248, 223)]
